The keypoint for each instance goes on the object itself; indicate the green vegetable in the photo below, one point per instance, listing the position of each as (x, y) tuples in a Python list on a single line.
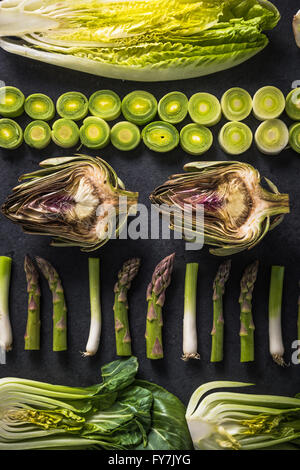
[(160, 136), (39, 106), (268, 103), (11, 100), (95, 306), (156, 292), (33, 327), (62, 198), (204, 109), (125, 136), (6, 338), (217, 332), (59, 305), (65, 133), (125, 277), (72, 105), (195, 139), (235, 138), (292, 106), (139, 107), (190, 342), (238, 212), (272, 136), (294, 137), (105, 104), (94, 133), (141, 40), (37, 134), (173, 107), (236, 104), (240, 421), (298, 328), (275, 302), (11, 134), (296, 28)]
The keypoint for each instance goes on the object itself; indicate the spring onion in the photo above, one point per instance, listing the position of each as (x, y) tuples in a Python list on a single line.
[(235, 137), (173, 107), (105, 104), (125, 136), (11, 134), (94, 133), (160, 136), (40, 107), (5, 327), (204, 109), (65, 133), (37, 134), (275, 303), (72, 105), (292, 105), (236, 104), (11, 102), (139, 107), (268, 103), (195, 139), (272, 136), (95, 307), (294, 137), (190, 341)]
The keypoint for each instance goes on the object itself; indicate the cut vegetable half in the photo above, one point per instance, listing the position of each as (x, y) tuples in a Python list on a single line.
[(11, 102), (139, 107), (125, 136), (272, 136), (11, 134), (236, 104), (105, 104), (94, 133), (173, 107), (37, 134), (160, 136), (72, 105), (205, 109), (195, 139), (40, 107), (235, 137), (268, 103), (294, 137), (292, 106), (65, 133)]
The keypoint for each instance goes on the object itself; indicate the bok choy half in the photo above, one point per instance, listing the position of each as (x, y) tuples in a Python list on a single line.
[(141, 40)]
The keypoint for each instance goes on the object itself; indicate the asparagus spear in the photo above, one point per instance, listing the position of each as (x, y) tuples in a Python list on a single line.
[(298, 327), (217, 332), (275, 301), (190, 343), (95, 306), (161, 279), (59, 305), (5, 326), (125, 277), (247, 325), (32, 335)]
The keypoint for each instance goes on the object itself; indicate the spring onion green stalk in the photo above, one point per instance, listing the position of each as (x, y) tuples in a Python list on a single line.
[(236, 104), (105, 104), (95, 306), (59, 304), (217, 332), (37, 134), (156, 292), (11, 134), (204, 109), (94, 133), (247, 324), (65, 133), (173, 107), (139, 107), (268, 103), (294, 137), (235, 138), (190, 342), (11, 101), (275, 302), (160, 136), (72, 105), (195, 139), (32, 334), (6, 338), (39, 106), (292, 105), (125, 136), (272, 136), (122, 331)]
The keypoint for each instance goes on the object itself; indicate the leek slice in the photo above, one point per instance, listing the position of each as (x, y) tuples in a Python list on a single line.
[(11, 102), (294, 137), (272, 136), (205, 109), (39, 106), (235, 137), (195, 139), (292, 106), (37, 134), (173, 107), (94, 133), (236, 104), (160, 136), (139, 107), (11, 134), (65, 133), (268, 103), (125, 136), (72, 105), (105, 104)]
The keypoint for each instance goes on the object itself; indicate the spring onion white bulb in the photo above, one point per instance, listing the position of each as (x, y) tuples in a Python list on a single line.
[(95, 325), (190, 343), (5, 326), (275, 301)]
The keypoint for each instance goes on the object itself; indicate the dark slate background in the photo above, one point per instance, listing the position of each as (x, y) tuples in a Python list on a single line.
[(142, 170)]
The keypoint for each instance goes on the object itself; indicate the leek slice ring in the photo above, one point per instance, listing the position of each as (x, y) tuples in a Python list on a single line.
[(39, 107), (294, 137), (11, 134), (11, 102), (173, 107), (139, 107), (37, 134), (272, 136), (72, 105), (94, 133), (125, 136), (292, 106), (236, 104), (195, 139), (205, 109), (160, 136), (268, 103), (235, 137), (105, 104), (65, 133)]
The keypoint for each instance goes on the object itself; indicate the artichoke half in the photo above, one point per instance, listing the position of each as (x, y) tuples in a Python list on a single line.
[(238, 211), (78, 200)]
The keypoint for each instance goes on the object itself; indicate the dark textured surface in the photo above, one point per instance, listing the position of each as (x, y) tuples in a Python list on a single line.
[(278, 64)]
